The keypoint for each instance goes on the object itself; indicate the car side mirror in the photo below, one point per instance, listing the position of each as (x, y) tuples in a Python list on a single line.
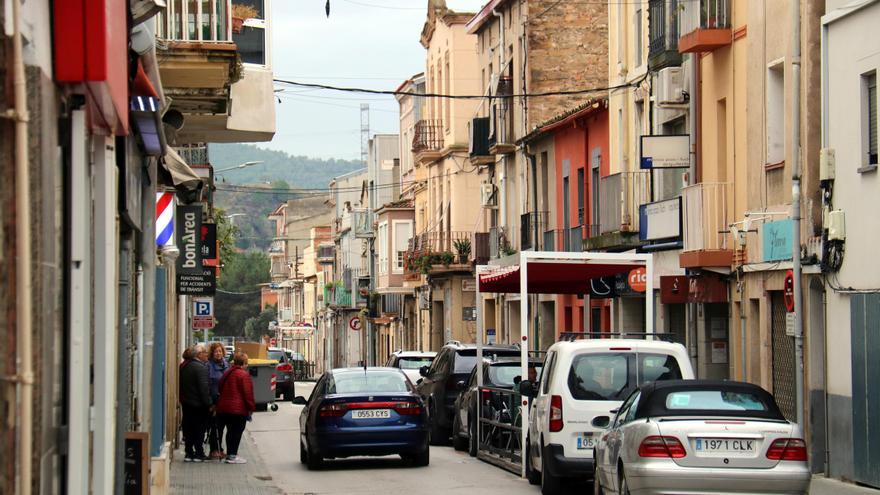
[(461, 385), (527, 388), (423, 371), (300, 401), (419, 381), (613, 411)]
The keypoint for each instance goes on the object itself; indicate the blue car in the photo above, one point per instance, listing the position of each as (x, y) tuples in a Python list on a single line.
[(363, 412)]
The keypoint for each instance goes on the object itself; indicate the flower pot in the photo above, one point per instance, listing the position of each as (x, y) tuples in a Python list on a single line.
[(463, 259), (237, 24)]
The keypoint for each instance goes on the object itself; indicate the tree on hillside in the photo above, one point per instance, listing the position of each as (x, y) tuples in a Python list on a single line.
[(255, 328), (239, 290)]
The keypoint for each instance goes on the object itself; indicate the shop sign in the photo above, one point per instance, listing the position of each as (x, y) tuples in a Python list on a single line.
[(660, 220), (603, 288), (633, 283), (469, 313), (674, 289), (776, 240), (202, 283), (670, 151), (209, 241), (189, 239)]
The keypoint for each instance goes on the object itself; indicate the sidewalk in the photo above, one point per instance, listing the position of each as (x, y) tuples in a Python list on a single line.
[(215, 477), (829, 486)]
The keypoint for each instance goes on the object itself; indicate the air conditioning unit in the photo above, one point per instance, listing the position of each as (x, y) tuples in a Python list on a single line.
[(669, 85), (487, 194)]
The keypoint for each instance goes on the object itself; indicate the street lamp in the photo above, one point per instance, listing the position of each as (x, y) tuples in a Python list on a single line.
[(241, 165)]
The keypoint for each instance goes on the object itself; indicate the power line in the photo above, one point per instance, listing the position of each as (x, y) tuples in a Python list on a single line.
[(571, 92)]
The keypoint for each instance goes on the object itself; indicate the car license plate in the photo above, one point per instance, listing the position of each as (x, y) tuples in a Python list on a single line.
[(586, 442), (722, 445), (371, 414)]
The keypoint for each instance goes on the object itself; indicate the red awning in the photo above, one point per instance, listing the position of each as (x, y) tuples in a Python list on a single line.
[(552, 277)]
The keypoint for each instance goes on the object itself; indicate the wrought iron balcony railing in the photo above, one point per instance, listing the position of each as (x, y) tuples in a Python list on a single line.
[(428, 136)]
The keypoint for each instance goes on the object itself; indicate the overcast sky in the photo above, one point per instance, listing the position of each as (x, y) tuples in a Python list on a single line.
[(364, 43)]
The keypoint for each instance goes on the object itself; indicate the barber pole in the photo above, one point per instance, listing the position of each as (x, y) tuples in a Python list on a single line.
[(272, 383), (164, 219)]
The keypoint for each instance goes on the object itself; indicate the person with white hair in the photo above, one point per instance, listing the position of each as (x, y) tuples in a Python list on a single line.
[(195, 400)]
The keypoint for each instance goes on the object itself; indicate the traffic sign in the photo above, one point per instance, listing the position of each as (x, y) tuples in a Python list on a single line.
[(354, 323), (203, 306), (789, 324), (202, 322)]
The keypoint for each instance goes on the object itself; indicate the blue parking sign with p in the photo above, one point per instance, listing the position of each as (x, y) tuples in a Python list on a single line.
[(203, 308)]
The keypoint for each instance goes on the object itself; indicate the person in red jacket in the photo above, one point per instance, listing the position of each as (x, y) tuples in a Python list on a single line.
[(236, 404)]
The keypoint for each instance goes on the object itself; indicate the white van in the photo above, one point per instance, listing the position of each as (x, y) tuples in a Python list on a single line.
[(581, 386)]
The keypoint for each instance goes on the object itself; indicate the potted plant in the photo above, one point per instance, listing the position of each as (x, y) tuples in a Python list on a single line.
[(446, 258), (241, 13), (463, 248)]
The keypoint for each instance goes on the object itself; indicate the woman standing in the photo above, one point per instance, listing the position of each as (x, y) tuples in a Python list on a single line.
[(217, 366), (236, 404)]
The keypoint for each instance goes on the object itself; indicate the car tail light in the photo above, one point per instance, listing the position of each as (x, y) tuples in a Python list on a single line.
[(787, 449), (284, 368), (486, 395), (407, 408), (333, 410), (556, 422), (659, 446)]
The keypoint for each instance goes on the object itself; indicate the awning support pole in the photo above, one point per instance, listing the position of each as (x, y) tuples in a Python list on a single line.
[(649, 295), (524, 352)]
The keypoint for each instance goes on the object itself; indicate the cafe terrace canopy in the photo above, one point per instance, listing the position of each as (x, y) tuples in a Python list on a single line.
[(550, 272)]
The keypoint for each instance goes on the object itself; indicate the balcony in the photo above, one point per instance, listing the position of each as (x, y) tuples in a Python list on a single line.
[(501, 134), (705, 221), (337, 297), (571, 240), (432, 253), (208, 69), (620, 197), (663, 21), (530, 223), (326, 254), (704, 25), (479, 142), (427, 140), (277, 247), (279, 270)]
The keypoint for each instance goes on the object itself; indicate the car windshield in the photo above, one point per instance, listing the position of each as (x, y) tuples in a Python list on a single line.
[(360, 382), (613, 376), (466, 359), (276, 355), (414, 362), (503, 375), (714, 400)]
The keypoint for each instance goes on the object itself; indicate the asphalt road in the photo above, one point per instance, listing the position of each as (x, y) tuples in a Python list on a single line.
[(276, 435)]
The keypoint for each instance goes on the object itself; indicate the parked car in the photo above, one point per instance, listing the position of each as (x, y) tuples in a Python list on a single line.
[(701, 436), (503, 373), (283, 373), (363, 412), (410, 362), (438, 385), (583, 383)]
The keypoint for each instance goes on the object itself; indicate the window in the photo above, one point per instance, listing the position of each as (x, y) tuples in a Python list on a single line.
[(251, 41), (354, 382), (657, 367), (870, 118), (715, 400), (403, 232), (447, 102), (638, 37), (621, 30), (383, 248), (596, 376), (545, 377), (774, 113), (414, 363)]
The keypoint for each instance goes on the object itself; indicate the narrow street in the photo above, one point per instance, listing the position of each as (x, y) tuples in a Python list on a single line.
[(276, 435)]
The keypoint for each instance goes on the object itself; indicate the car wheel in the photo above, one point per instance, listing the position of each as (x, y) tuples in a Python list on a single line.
[(624, 486), (313, 461), (532, 474), (458, 442), (437, 437), (421, 459), (597, 486), (473, 441), (550, 484)]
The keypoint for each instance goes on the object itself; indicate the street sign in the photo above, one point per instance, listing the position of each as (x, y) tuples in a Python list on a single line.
[(202, 322), (273, 342), (189, 238), (788, 291), (668, 151), (789, 324), (203, 306), (203, 283), (354, 323)]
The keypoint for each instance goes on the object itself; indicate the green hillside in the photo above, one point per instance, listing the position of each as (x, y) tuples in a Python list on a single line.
[(298, 171)]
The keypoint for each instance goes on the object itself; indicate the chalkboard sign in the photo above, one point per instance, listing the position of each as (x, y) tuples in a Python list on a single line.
[(137, 463)]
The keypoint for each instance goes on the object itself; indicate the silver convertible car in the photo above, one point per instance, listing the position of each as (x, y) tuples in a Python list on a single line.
[(700, 436)]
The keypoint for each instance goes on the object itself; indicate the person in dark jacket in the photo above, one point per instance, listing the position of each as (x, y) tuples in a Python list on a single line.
[(236, 404), (217, 366), (195, 399)]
